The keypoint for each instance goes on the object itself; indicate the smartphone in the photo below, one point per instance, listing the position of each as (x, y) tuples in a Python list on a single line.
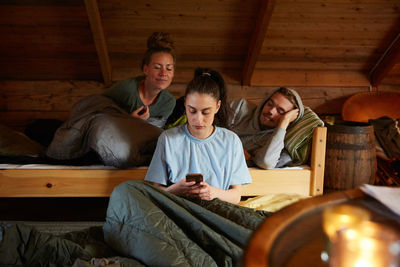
[(142, 111), (196, 177)]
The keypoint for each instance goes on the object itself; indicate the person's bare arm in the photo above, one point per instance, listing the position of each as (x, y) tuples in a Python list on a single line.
[(181, 188), (205, 191)]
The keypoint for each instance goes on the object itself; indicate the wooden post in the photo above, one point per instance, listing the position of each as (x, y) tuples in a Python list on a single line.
[(318, 161)]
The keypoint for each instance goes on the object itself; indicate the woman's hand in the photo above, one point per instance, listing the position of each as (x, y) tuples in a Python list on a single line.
[(202, 191), (181, 188), (141, 113)]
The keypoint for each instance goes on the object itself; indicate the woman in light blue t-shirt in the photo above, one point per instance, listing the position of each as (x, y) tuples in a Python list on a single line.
[(200, 147), (174, 222)]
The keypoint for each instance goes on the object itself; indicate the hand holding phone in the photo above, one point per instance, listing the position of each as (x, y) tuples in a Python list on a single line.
[(142, 111), (194, 177)]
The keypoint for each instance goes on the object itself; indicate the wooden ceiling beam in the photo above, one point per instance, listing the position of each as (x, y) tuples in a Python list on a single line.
[(257, 39), (386, 62), (96, 26)]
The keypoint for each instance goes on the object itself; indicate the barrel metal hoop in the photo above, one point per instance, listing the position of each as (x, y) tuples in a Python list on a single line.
[(351, 130), (336, 145)]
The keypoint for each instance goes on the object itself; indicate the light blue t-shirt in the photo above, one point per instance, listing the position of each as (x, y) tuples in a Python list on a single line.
[(219, 158)]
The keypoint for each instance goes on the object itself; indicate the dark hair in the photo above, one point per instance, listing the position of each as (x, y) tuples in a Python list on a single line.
[(208, 81), (158, 42), (288, 94)]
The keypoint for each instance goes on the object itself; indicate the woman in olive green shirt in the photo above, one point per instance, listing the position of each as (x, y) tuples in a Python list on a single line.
[(122, 125), (145, 96)]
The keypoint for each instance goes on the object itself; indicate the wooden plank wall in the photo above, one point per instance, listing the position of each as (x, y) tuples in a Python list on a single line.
[(46, 40), (23, 101)]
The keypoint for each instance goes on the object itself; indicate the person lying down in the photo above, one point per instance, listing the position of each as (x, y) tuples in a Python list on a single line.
[(262, 128), (275, 133)]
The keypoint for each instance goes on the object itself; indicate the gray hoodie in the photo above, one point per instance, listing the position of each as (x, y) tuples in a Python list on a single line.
[(266, 146)]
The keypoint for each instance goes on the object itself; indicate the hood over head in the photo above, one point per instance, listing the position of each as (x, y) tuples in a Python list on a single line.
[(297, 99), (247, 114)]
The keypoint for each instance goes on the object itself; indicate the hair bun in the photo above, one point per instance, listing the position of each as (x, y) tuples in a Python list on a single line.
[(202, 71), (160, 40)]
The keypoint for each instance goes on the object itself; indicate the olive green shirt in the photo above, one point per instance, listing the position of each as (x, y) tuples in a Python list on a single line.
[(126, 95)]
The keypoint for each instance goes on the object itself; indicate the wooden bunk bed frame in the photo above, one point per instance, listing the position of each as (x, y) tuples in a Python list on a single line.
[(100, 183)]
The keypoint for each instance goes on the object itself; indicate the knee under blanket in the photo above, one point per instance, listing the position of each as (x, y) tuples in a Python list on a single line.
[(98, 123), (145, 226), (161, 229)]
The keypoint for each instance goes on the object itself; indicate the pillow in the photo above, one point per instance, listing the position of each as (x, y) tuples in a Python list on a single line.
[(178, 116), (298, 137), (181, 120), (123, 141), (14, 143)]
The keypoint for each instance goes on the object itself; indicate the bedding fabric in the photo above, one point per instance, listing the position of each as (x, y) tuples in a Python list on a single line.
[(22, 245), (98, 124), (271, 202), (161, 229), (145, 226), (298, 137), (387, 132)]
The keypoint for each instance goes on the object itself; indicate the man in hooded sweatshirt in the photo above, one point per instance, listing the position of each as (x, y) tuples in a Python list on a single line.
[(262, 128)]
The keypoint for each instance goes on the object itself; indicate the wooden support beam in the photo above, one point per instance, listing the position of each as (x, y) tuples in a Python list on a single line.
[(386, 62), (257, 39), (309, 78), (93, 13)]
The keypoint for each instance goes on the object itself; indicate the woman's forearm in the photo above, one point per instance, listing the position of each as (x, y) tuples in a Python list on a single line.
[(231, 195)]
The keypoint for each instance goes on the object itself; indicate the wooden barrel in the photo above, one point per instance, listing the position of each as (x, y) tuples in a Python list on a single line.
[(350, 156)]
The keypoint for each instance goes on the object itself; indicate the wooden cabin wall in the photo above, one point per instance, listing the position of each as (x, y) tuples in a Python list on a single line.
[(21, 102), (53, 51)]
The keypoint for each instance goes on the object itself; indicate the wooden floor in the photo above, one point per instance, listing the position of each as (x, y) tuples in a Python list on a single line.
[(53, 209)]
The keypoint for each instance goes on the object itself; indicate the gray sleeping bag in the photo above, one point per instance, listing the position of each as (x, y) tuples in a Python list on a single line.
[(161, 229), (97, 123)]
